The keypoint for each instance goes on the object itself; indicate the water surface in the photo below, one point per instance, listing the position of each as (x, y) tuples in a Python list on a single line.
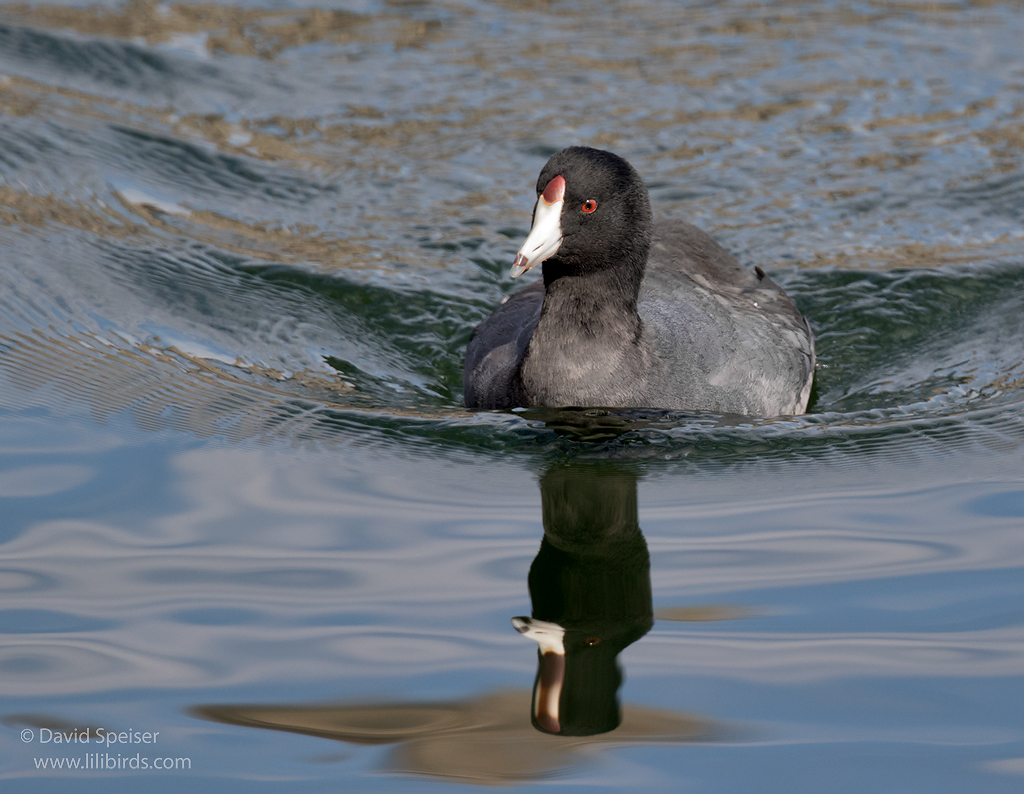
[(242, 248)]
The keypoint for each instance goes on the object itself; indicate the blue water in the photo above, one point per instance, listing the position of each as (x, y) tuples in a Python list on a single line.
[(241, 250)]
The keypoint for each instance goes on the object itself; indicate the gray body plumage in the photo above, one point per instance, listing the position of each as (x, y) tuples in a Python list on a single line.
[(710, 335)]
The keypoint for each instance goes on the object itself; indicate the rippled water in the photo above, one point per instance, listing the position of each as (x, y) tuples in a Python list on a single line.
[(242, 248)]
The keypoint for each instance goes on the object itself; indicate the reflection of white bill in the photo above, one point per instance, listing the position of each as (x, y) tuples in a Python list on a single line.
[(551, 676), (547, 635)]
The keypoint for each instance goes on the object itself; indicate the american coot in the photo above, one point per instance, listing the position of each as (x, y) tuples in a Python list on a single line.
[(632, 313)]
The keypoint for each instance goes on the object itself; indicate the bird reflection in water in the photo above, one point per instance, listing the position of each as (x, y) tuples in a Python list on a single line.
[(591, 591), (590, 585)]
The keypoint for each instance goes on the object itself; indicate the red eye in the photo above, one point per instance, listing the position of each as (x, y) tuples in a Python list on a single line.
[(589, 205)]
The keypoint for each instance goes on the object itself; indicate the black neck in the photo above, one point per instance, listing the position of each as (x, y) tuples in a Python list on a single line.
[(588, 347), (588, 306)]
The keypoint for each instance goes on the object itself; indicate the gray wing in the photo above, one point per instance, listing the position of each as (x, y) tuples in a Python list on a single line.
[(730, 338), (497, 347)]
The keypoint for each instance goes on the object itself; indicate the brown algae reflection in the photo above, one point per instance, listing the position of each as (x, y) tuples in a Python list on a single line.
[(483, 739)]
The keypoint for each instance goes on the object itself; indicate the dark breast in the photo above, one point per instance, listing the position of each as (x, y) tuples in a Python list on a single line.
[(497, 346)]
